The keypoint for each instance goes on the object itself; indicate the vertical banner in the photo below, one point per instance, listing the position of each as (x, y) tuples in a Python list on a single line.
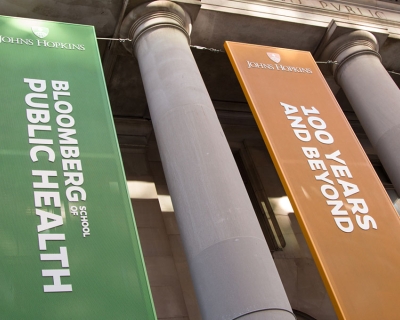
[(69, 247), (345, 214)]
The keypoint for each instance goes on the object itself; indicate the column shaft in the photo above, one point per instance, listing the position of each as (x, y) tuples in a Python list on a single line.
[(372, 93), (230, 263), (375, 99)]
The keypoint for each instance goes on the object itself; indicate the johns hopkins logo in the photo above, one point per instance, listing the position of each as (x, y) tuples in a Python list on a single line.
[(40, 32), (275, 57)]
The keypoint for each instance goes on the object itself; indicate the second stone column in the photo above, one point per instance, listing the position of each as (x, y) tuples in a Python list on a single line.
[(372, 93), (230, 263)]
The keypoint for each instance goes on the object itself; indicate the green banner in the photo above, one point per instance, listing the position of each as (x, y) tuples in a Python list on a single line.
[(69, 247)]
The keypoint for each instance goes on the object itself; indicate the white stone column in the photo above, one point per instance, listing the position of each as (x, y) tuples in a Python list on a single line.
[(372, 93), (230, 263)]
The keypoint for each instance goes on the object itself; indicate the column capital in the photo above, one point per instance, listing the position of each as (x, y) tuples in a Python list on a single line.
[(348, 46), (151, 15)]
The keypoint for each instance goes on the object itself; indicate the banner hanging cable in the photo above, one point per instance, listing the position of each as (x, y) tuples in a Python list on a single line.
[(217, 50)]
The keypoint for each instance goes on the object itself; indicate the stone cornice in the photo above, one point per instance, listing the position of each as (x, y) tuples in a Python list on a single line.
[(312, 12), (350, 9)]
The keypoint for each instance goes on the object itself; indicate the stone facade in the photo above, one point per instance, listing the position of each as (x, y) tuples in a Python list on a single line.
[(296, 24)]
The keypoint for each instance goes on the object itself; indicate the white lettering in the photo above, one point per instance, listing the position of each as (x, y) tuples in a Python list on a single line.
[(288, 108), (45, 174), (339, 222), (57, 286), (62, 256), (49, 151), (45, 224), (43, 237), (302, 135), (47, 196)]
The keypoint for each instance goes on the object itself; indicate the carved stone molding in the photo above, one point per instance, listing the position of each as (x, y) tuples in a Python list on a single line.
[(151, 15), (348, 46)]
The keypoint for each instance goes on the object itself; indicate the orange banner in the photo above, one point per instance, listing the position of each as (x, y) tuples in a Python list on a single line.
[(345, 214)]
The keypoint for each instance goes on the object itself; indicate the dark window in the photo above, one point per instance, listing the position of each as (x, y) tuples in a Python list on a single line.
[(262, 207)]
